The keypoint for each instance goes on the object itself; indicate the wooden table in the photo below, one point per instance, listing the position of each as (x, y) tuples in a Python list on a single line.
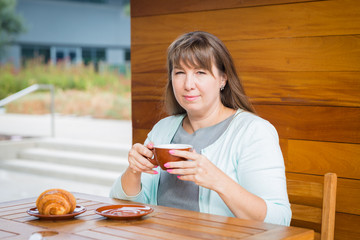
[(163, 223)]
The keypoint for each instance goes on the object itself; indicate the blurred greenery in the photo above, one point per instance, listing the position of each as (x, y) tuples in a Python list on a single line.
[(63, 76), (80, 90), (11, 23), (127, 8)]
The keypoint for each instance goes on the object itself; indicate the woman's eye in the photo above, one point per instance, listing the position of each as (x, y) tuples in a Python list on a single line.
[(178, 72), (201, 72)]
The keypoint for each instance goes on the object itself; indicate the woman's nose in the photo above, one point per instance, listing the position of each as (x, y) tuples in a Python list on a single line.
[(189, 82)]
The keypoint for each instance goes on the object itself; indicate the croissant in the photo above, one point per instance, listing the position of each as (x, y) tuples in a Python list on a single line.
[(55, 202)]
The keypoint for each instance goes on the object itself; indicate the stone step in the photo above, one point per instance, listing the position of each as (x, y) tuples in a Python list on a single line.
[(70, 158), (93, 147), (61, 171)]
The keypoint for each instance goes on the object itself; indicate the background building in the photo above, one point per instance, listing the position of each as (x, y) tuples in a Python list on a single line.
[(75, 30)]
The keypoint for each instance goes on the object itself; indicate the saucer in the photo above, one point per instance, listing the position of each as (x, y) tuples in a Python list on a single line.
[(130, 211), (78, 210)]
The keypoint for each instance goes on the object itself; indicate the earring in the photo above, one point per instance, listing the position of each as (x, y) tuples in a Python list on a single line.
[(222, 88)]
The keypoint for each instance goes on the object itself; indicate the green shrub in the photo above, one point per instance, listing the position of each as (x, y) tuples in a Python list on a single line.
[(62, 76)]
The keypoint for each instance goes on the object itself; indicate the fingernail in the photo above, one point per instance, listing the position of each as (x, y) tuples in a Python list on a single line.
[(178, 177), (169, 170), (155, 172), (166, 165), (171, 151), (151, 145)]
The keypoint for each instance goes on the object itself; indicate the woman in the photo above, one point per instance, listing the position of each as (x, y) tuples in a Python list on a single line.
[(236, 169)]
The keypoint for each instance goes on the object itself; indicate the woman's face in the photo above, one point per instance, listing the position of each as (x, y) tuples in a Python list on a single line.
[(197, 90)]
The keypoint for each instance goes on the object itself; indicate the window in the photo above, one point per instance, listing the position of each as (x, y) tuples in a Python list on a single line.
[(29, 52), (127, 55), (68, 54), (93, 55), (60, 56), (86, 1)]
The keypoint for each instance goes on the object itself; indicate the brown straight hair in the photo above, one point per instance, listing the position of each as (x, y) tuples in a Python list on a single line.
[(201, 49)]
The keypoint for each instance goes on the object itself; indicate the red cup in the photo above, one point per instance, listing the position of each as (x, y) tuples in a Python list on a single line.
[(162, 155)]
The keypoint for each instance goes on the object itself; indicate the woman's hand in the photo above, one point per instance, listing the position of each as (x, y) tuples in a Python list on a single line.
[(139, 159), (199, 170), (138, 163), (204, 173)]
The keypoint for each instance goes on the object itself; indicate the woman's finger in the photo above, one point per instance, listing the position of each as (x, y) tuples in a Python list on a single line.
[(189, 178), (184, 154), (138, 159), (182, 171), (134, 169), (143, 150), (181, 164)]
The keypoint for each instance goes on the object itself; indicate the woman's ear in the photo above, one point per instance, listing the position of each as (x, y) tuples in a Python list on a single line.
[(223, 79)]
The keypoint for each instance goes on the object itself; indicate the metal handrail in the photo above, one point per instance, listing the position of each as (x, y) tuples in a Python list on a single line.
[(31, 89)]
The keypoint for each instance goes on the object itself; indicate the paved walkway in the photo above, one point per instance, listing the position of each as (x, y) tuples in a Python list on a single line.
[(16, 185), (82, 128)]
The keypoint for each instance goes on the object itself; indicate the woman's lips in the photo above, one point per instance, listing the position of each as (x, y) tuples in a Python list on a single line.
[(191, 98)]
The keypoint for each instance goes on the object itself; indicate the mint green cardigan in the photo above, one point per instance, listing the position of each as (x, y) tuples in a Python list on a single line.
[(248, 152)]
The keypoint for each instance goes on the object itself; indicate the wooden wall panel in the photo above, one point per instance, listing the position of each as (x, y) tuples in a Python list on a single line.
[(295, 88), (299, 63), (145, 8), (314, 123), (146, 113), (296, 54), (303, 88), (347, 226), (148, 86), (322, 157), (140, 135), (322, 18), (348, 195)]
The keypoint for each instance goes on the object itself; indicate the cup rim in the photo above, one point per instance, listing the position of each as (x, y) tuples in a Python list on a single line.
[(173, 146)]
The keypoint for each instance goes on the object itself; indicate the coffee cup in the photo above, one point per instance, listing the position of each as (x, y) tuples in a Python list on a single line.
[(162, 155)]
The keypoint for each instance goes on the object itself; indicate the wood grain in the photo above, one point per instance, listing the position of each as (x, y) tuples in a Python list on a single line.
[(347, 226), (348, 196), (348, 192), (303, 88), (304, 191), (284, 147), (329, 205), (330, 53), (288, 88), (146, 113), (148, 86), (314, 157), (334, 124), (306, 213), (146, 8), (322, 18), (140, 135), (163, 223)]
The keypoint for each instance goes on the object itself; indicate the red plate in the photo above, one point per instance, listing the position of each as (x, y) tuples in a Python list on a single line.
[(78, 210), (130, 211)]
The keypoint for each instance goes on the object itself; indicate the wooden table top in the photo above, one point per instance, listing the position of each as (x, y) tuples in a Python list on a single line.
[(163, 223)]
